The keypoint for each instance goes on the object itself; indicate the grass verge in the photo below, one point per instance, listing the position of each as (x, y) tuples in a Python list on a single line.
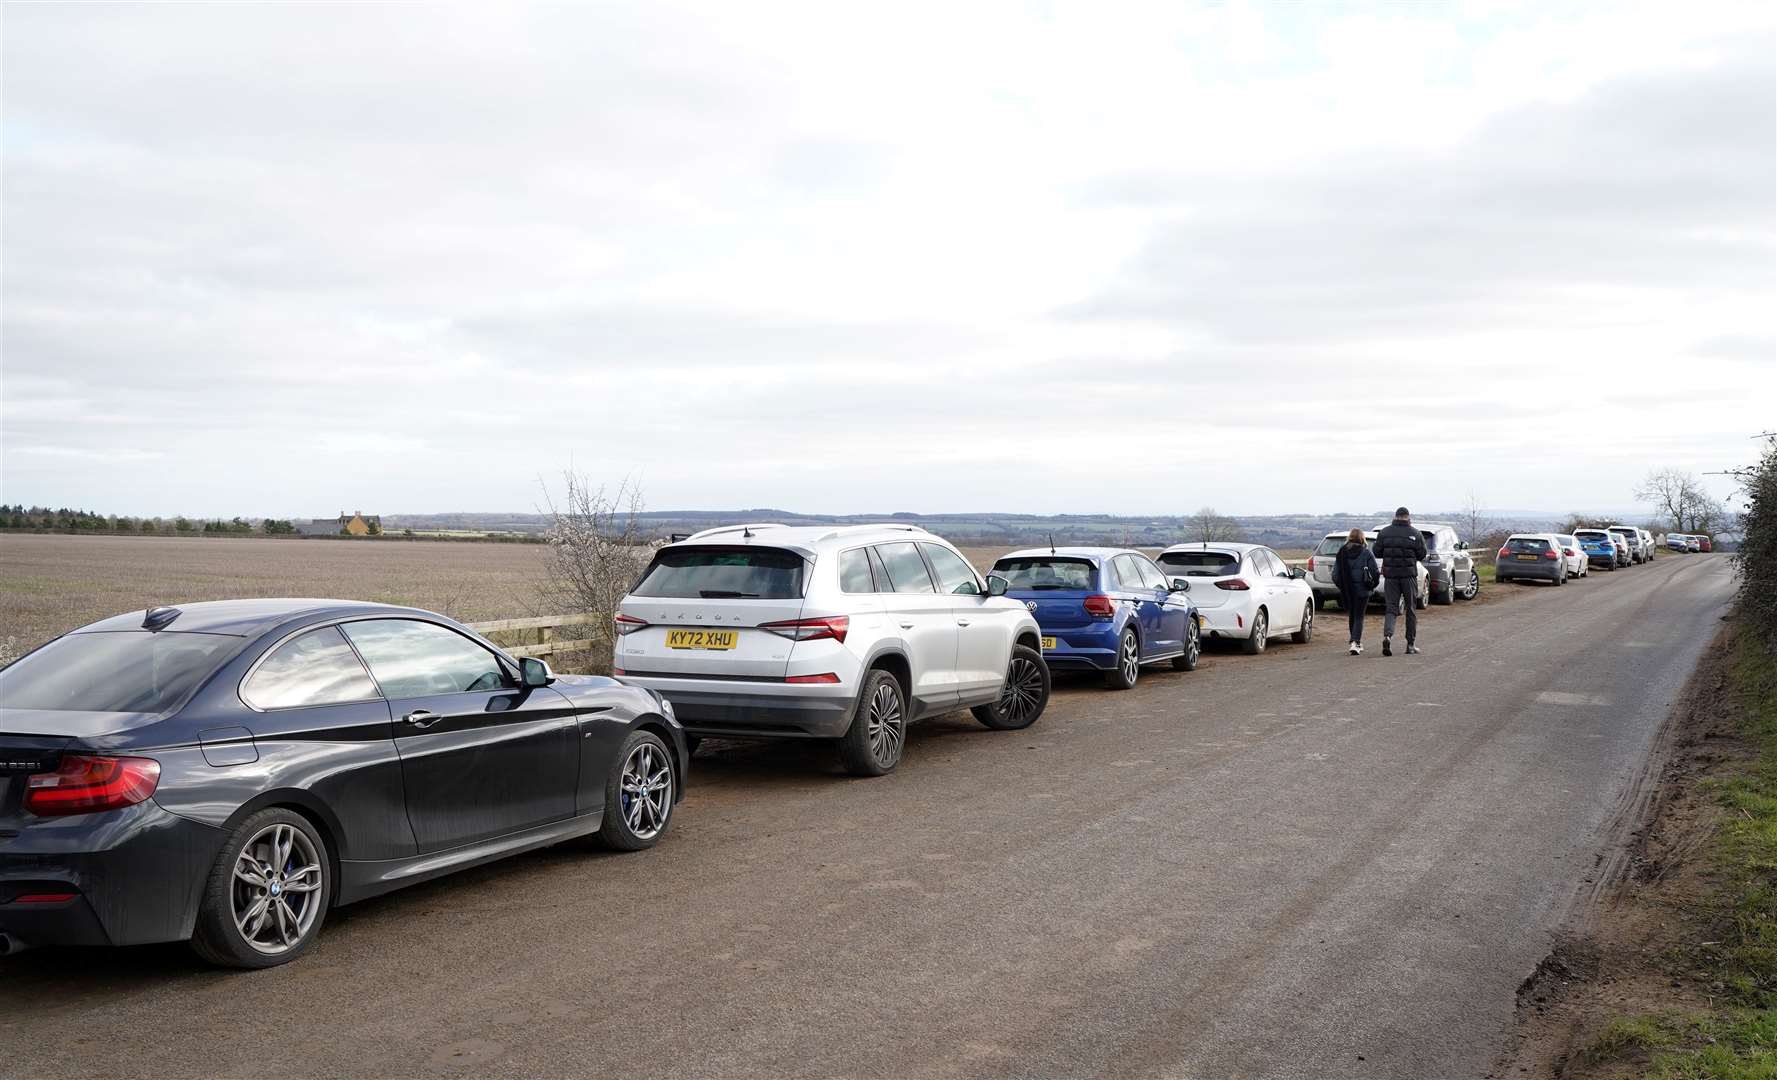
[(1732, 966)]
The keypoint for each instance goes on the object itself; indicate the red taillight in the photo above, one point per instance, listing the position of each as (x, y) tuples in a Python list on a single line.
[(831, 626), (1502, 553), (85, 784), (1570, 551), (1233, 585), (1098, 606), (618, 671), (1551, 554), (628, 624), (828, 677), (45, 898), (1311, 564)]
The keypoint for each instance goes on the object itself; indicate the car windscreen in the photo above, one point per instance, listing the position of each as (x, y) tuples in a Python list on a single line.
[(724, 574), (1045, 572), (1527, 544), (1200, 563), (129, 671)]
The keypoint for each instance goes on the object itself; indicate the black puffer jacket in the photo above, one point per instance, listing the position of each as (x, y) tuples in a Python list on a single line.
[(1401, 548), (1352, 571)]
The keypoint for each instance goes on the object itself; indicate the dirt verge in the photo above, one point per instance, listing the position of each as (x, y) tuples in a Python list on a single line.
[(1640, 948)]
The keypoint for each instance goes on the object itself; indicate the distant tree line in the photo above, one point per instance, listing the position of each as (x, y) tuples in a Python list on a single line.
[(63, 519)]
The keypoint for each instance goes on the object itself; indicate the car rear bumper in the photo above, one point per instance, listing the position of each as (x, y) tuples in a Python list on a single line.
[(1541, 568), (1080, 647), (755, 708), (133, 877), (1226, 622)]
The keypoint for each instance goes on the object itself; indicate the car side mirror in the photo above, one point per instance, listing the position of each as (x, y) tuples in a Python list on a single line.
[(534, 672), (1178, 584), (997, 585), (1298, 573)]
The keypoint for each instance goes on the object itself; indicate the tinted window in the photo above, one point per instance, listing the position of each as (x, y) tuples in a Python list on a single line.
[(1527, 544), (414, 659), (1201, 563), (724, 573), (1150, 574), (1431, 539), (1045, 572), (318, 668), (854, 571), (954, 573), (906, 570), (133, 671)]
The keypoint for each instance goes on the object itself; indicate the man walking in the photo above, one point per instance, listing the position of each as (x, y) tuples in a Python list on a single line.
[(1401, 549)]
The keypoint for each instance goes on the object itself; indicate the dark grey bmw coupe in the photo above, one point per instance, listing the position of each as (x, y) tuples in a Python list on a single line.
[(227, 772)]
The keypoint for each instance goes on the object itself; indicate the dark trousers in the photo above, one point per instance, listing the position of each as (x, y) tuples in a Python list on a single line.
[(1354, 613)]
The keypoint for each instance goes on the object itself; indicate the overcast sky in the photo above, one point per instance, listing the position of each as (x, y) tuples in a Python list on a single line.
[(284, 260)]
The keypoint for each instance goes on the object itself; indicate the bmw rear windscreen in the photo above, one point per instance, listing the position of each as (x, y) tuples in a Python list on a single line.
[(126, 671), (724, 574)]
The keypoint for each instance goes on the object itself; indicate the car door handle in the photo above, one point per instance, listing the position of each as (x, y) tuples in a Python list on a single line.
[(962, 622), (422, 718), (906, 626)]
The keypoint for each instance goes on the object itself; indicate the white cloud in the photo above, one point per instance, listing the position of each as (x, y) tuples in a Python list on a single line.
[(275, 259)]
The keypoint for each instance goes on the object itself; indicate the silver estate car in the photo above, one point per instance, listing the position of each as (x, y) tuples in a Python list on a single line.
[(847, 633)]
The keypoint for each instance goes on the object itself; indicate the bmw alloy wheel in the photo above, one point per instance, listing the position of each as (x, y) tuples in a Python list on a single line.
[(887, 726), (1023, 693), (276, 891), (647, 791)]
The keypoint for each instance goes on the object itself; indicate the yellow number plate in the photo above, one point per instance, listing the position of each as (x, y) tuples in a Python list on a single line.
[(700, 639), (1529, 558), (1048, 643)]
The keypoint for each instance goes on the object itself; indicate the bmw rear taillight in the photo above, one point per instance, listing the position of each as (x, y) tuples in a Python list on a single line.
[(830, 626), (86, 784), (628, 624), (1233, 585), (1098, 606)]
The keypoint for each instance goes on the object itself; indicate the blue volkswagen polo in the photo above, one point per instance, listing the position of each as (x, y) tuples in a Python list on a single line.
[(1104, 609)]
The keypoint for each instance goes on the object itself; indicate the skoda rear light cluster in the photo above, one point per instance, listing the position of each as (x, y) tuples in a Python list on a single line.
[(829, 626), (86, 784), (628, 624)]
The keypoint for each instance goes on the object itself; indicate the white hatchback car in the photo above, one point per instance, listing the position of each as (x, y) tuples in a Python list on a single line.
[(1243, 592), (848, 633), (1574, 556)]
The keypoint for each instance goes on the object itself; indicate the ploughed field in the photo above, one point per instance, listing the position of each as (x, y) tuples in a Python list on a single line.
[(52, 584)]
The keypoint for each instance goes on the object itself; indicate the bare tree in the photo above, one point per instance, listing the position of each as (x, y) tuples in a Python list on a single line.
[(1208, 527), (1682, 501), (598, 547), (1472, 519)]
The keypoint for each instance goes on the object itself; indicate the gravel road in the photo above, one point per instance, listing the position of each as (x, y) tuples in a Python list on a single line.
[(1300, 864)]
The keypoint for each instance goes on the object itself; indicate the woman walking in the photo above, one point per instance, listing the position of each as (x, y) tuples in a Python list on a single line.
[(1356, 573)]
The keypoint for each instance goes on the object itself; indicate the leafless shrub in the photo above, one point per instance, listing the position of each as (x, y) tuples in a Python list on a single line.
[(598, 547)]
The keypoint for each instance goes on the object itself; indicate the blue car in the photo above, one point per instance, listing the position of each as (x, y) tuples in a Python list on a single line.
[(1599, 546), (1104, 609)]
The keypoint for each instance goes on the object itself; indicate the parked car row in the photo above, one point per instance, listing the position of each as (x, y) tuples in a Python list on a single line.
[(1687, 542), (1561, 557), (261, 762), (1448, 573)]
